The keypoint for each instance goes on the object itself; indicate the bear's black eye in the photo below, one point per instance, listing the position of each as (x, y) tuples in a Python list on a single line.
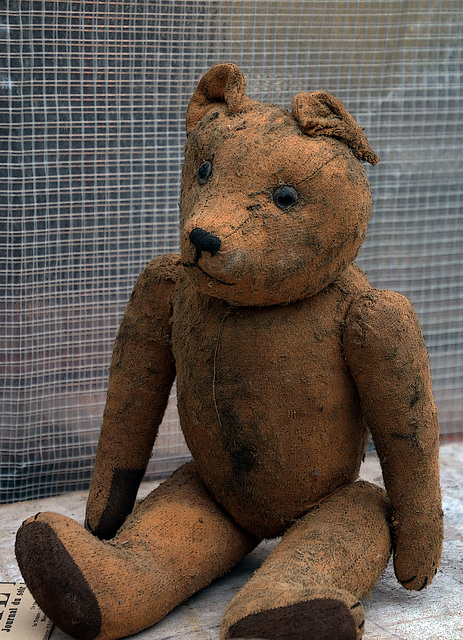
[(205, 172), (285, 196)]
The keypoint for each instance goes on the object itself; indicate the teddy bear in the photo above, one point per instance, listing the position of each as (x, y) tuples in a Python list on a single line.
[(286, 359)]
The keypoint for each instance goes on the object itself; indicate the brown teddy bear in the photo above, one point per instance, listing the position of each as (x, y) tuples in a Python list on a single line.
[(285, 358)]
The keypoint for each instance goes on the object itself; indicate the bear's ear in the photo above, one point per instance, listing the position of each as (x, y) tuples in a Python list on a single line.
[(321, 114), (223, 83)]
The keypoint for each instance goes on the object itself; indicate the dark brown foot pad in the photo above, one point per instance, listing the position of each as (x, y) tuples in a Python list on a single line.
[(318, 619), (56, 582)]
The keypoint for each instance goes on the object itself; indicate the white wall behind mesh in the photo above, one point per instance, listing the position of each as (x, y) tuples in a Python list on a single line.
[(93, 105)]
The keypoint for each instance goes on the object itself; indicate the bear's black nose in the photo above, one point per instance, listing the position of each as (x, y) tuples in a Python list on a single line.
[(205, 241)]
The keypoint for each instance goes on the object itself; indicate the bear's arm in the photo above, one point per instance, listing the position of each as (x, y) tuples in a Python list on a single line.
[(387, 356), (140, 379)]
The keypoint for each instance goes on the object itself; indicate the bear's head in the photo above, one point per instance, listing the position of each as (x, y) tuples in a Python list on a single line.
[(274, 206)]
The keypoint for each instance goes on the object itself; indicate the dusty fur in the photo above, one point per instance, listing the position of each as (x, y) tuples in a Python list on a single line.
[(285, 359)]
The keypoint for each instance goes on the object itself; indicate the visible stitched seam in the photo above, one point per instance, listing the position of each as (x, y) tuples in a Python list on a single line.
[(216, 351), (318, 169)]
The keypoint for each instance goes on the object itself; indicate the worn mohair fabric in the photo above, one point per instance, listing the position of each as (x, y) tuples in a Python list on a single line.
[(140, 379), (285, 359), (404, 425), (273, 420)]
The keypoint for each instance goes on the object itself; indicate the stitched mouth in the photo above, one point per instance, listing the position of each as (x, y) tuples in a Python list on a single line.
[(213, 278)]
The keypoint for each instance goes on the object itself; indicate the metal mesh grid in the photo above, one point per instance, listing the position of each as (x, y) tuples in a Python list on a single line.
[(93, 99)]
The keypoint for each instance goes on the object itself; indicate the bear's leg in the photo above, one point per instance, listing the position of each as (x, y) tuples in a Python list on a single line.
[(174, 543), (310, 585)]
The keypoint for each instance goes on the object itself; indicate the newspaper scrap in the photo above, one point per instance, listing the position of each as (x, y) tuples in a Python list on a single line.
[(20, 617)]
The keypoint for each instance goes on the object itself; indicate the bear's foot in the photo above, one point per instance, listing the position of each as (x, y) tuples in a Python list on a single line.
[(326, 615), (60, 584), (310, 585), (175, 542), (102, 590)]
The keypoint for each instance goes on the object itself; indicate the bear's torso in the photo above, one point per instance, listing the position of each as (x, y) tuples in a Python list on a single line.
[(267, 404)]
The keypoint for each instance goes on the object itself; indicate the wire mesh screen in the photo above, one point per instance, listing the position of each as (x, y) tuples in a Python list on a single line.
[(93, 105)]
